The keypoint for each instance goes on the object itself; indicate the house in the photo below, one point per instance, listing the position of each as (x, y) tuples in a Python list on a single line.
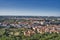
[(29, 33), (47, 30), (40, 30), (26, 33), (16, 34), (11, 33)]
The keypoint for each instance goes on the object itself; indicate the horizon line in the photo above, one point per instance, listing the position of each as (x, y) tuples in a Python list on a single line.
[(29, 15)]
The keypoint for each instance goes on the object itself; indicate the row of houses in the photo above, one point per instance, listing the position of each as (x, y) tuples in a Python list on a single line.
[(30, 23), (42, 30)]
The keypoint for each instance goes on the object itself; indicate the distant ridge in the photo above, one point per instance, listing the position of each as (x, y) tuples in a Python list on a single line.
[(29, 17)]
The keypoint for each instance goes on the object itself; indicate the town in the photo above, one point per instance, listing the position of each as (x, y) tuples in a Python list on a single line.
[(28, 25)]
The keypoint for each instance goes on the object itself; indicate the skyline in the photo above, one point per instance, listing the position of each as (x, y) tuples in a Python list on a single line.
[(30, 7)]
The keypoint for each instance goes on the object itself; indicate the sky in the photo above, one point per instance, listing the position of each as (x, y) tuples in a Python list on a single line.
[(30, 7)]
